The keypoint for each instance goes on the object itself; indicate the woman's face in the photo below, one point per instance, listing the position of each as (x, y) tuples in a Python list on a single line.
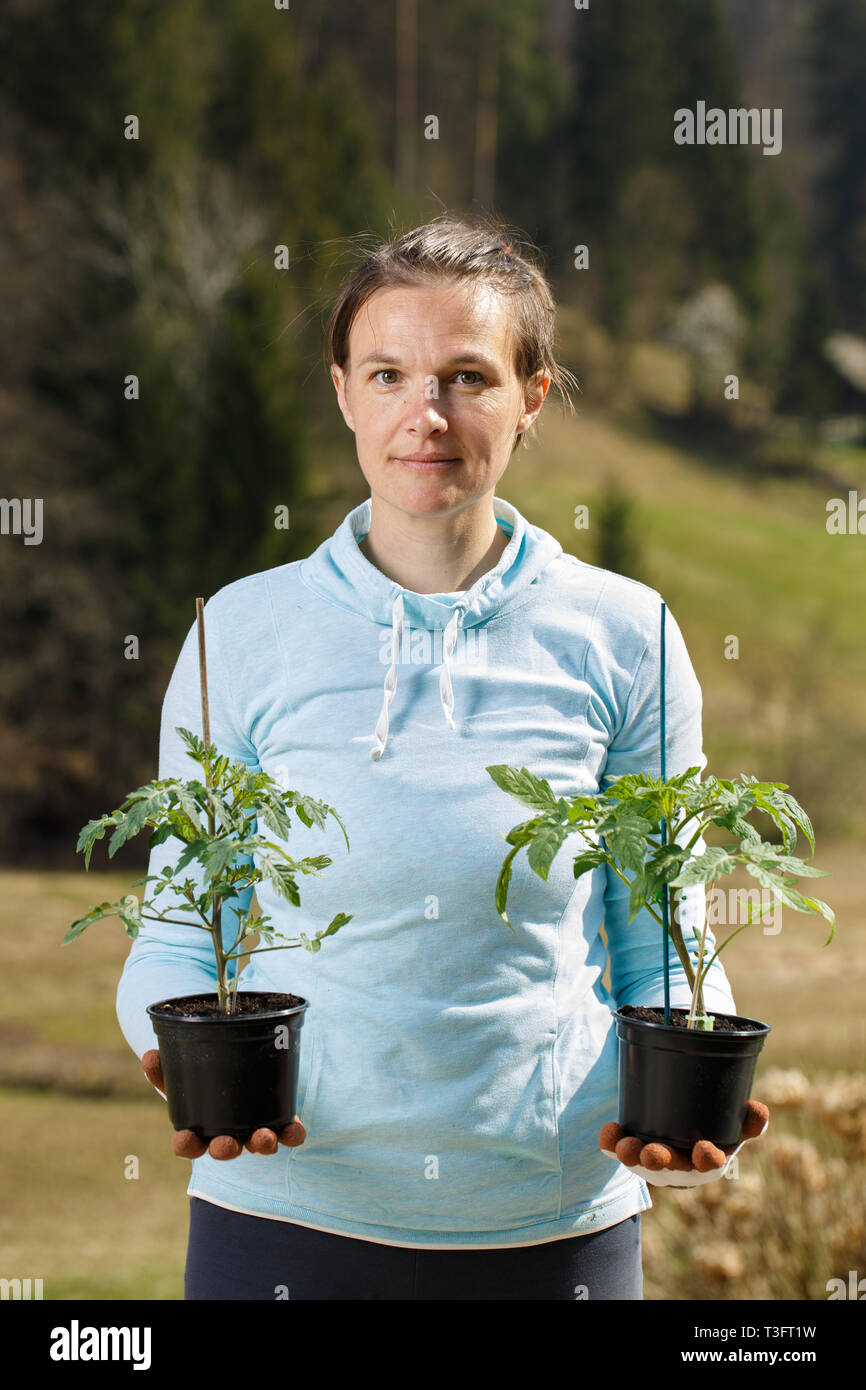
[(430, 372)]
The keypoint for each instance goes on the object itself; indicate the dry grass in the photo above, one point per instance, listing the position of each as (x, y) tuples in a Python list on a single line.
[(77, 1221), (790, 1219)]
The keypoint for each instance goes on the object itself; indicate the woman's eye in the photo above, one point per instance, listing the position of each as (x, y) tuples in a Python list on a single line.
[(468, 371)]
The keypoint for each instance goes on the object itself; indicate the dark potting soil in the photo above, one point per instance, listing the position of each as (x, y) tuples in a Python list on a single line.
[(679, 1018), (247, 1002)]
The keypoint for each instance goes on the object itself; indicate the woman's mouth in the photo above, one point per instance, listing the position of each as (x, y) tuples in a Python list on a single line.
[(427, 463)]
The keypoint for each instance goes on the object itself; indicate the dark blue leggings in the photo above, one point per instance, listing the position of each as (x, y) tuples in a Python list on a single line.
[(232, 1255)]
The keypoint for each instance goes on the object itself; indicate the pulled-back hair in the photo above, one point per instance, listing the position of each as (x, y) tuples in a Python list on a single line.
[(475, 252)]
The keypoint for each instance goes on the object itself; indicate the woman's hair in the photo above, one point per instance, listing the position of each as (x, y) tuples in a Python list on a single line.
[(479, 253)]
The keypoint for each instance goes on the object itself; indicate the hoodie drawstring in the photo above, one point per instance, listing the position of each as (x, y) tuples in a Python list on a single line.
[(446, 692), (381, 733)]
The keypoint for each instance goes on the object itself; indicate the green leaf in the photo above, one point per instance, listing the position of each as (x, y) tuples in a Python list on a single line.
[(705, 867), (638, 896), (502, 883), (94, 830), (332, 812), (190, 808), (310, 811), (194, 850), (627, 840), (129, 912), (522, 834), (583, 809), (195, 745), (533, 792), (816, 905), (797, 813), (776, 858), (782, 820), (94, 915), (663, 868), (159, 835), (793, 898), (544, 847), (283, 880), (337, 922), (140, 810), (274, 818), (217, 855), (765, 876), (639, 806), (590, 859), (684, 777), (120, 837), (334, 926), (313, 863)]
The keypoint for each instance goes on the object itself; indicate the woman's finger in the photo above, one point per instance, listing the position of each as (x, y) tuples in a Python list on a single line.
[(293, 1134), (152, 1064), (262, 1141), (757, 1115), (609, 1136), (225, 1146), (185, 1143), (657, 1156), (707, 1156), (628, 1150)]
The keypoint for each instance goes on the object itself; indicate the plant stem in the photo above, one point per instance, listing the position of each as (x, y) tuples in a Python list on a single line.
[(175, 922), (745, 924), (259, 949), (673, 931), (697, 1005)]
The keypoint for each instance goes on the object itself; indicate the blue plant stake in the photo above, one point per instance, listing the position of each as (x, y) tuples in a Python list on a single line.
[(664, 835)]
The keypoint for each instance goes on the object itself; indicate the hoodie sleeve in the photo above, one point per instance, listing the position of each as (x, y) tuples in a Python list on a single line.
[(166, 960), (636, 963)]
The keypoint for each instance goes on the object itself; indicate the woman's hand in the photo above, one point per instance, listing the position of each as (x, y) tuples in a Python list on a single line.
[(186, 1143), (660, 1163)]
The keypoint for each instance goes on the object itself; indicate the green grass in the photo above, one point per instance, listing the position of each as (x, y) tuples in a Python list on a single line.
[(729, 546)]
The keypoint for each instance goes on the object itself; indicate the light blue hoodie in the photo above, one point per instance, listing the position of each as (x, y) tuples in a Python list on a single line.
[(454, 1075)]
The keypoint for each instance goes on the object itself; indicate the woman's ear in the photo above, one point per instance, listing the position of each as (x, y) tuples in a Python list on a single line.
[(533, 395), (339, 378)]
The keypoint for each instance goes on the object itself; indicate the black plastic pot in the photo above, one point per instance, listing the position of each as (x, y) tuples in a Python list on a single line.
[(227, 1074), (679, 1085)]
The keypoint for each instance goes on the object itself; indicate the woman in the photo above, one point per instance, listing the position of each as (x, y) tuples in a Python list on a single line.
[(454, 1075)]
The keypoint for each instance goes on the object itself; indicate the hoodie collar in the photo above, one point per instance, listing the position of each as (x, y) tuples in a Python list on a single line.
[(341, 573)]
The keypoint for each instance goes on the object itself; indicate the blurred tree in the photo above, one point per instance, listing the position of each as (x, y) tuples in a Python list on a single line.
[(616, 542), (809, 385), (837, 46), (70, 702), (636, 65), (160, 265)]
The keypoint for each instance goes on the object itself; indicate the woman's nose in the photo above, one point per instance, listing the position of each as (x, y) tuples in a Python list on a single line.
[(423, 405)]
